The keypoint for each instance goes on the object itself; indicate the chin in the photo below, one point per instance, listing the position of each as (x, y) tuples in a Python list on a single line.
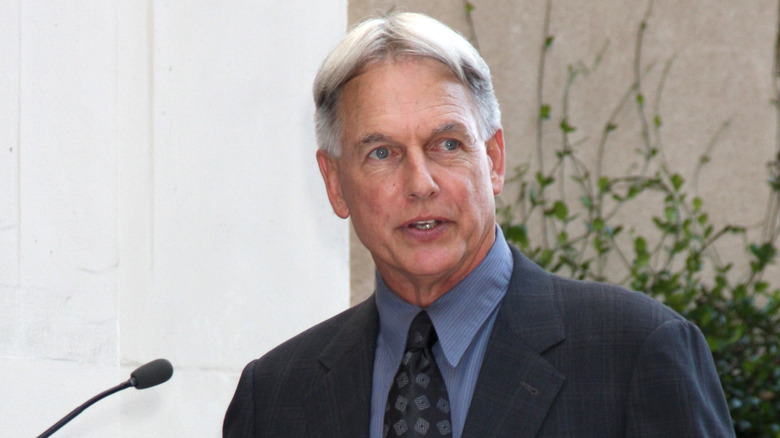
[(431, 266)]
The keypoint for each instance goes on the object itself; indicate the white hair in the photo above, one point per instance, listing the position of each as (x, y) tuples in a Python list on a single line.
[(402, 34)]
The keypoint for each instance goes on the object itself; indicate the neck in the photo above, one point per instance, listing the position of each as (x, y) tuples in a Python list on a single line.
[(421, 294)]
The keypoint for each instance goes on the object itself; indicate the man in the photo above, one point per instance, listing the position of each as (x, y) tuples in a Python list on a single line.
[(411, 148)]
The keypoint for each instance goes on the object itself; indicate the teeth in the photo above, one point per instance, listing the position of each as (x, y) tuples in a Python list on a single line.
[(425, 225)]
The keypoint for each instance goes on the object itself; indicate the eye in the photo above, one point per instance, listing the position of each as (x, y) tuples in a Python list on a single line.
[(379, 153), (450, 144)]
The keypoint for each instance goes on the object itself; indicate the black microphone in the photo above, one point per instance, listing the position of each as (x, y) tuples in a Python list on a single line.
[(152, 374), (147, 375)]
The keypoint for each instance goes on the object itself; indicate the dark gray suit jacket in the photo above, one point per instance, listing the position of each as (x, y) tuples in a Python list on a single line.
[(565, 359)]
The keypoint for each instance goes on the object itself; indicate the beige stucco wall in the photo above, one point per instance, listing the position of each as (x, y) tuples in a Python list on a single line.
[(721, 56)]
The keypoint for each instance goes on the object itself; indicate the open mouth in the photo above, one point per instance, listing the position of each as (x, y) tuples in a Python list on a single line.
[(425, 225)]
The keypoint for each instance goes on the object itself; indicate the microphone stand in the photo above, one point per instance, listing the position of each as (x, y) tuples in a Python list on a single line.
[(124, 385), (145, 376)]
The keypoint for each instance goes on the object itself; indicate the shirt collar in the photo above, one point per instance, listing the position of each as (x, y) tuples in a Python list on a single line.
[(458, 314)]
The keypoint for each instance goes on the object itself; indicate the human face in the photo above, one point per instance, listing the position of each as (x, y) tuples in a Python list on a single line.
[(414, 175)]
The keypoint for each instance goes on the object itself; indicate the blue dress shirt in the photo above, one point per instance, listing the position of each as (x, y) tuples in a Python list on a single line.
[(463, 319)]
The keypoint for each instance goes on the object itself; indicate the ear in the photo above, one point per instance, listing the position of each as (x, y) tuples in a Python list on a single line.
[(496, 160), (329, 169)]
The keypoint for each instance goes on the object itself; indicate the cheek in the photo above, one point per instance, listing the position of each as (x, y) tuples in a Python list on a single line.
[(476, 193), (373, 203), (473, 182)]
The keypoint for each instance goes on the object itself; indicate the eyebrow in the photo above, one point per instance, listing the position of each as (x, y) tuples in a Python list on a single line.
[(448, 127), (375, 137), (454, 127)]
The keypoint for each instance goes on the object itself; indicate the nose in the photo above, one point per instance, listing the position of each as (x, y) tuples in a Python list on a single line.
[(420, 180)]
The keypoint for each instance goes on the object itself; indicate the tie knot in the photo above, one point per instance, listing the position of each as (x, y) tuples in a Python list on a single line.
[(421, 332)]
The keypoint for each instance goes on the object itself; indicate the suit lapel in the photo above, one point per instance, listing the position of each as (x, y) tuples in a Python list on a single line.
[(516, 385), (339, 403)]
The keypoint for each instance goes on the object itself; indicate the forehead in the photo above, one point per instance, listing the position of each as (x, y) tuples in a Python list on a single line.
[(407, 90)]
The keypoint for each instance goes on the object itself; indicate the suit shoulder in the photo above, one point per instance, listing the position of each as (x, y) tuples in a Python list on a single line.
[(584, 304), (603, 304)]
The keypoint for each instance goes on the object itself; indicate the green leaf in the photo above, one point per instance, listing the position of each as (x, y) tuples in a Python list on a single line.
[(693, 264), (544, 112), (677, 181), (533, 197), (680, 246), (671, 214), (640, 245), (597, 224), (546, 258), (518, 234), (764, 253), (544, 181), (601, 245), (469, 7), (604, 184), (548, 41), (643, 259), (640, 99), (566, 128), (560, 210), (586, 201), (657, 121), (686, 227)]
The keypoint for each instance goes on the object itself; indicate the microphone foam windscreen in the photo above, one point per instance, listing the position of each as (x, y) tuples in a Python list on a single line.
[(152, 373)]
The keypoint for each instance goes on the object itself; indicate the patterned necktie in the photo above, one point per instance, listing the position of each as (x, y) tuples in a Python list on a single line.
[(418, 405)]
